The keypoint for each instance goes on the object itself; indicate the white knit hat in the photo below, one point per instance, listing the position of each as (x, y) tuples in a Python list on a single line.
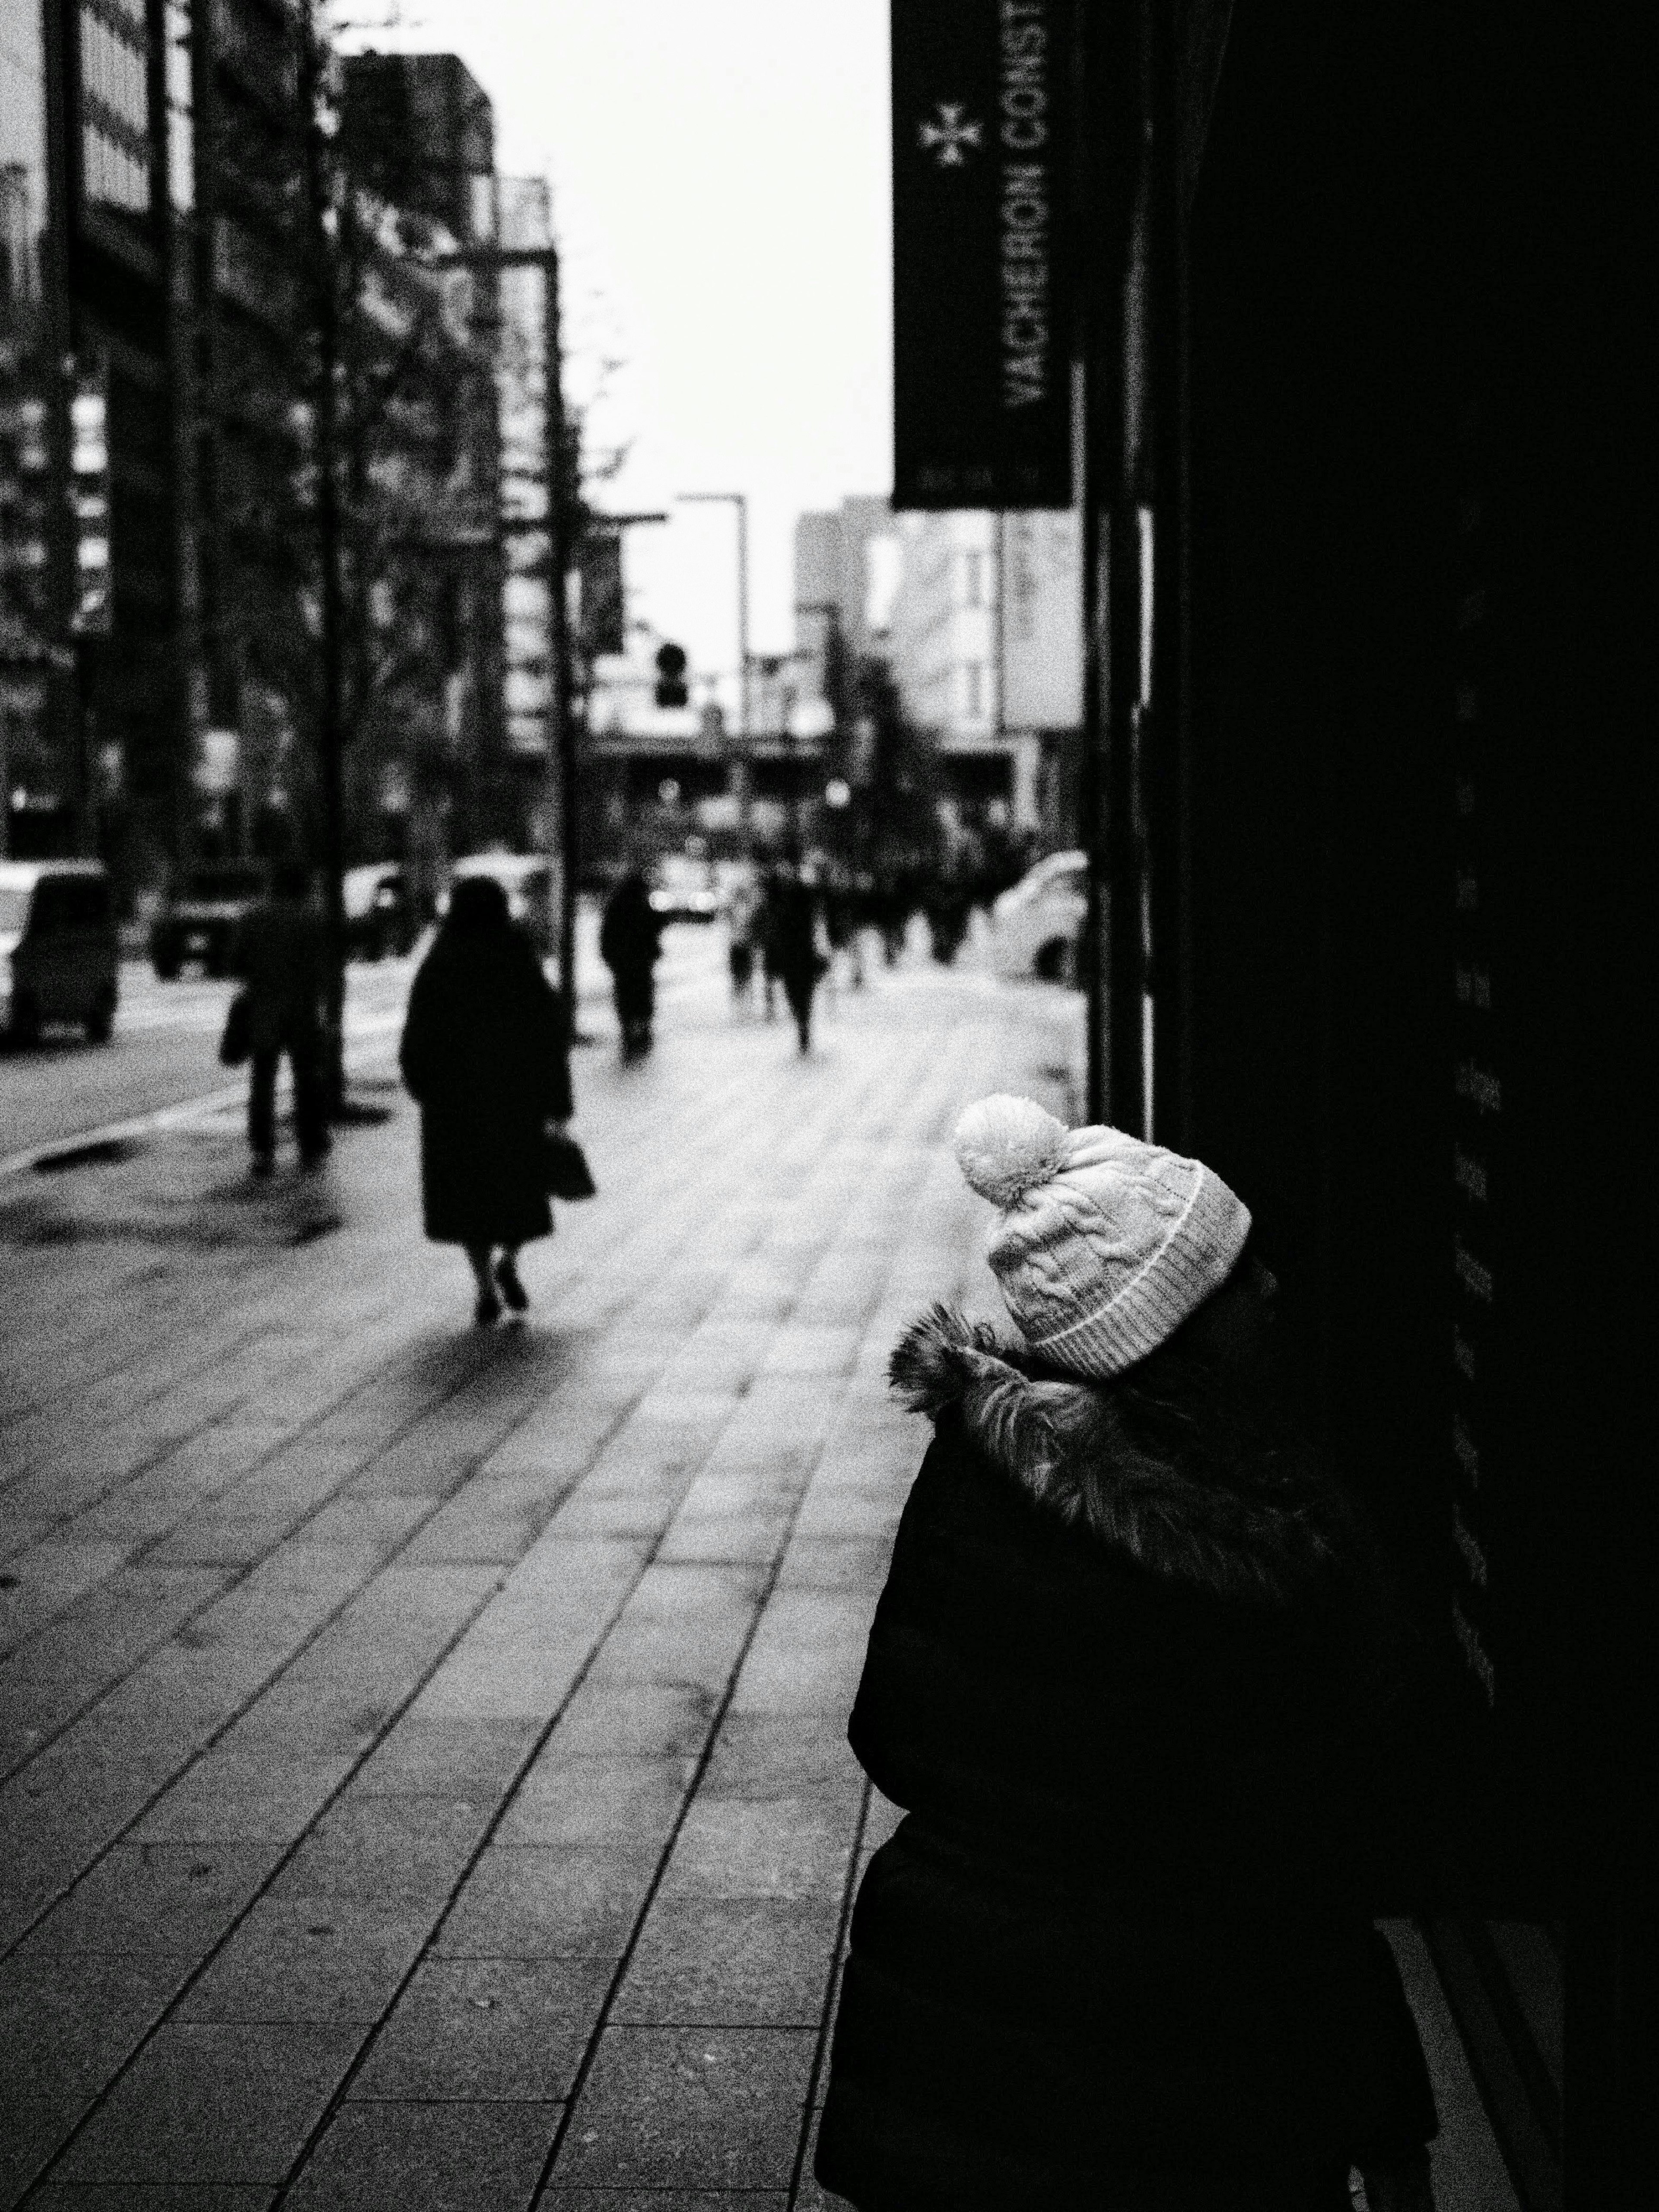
[(1105, 1245)]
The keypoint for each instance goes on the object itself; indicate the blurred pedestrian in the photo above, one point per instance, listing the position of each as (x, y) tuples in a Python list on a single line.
[(485, 1052), (843, 924), (947, 902), (281, 958), (790, 938), (894, 901), (630, 940), (742, 919), (1131, 1677)]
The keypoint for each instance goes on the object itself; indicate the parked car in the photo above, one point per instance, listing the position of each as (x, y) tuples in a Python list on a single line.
[(527, 879), (200, 918), (1035, 924), (685, 889), (58, 953), (380, 911)]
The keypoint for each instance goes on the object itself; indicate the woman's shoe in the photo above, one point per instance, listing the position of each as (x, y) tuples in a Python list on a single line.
[(506, 1280), (489, 1309)]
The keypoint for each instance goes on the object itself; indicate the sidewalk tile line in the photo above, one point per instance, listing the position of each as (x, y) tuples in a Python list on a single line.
[(241, 1712), (922, 1110), (607, 2003)]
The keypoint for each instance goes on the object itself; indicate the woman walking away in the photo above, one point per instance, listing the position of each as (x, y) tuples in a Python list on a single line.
[(1129, 1676), (485, 1051)]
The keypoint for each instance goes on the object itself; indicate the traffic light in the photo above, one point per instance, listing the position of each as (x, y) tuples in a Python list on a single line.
[(670, 676)]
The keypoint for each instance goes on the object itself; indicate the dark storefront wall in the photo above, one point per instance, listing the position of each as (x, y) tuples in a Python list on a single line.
[(1421, 818)]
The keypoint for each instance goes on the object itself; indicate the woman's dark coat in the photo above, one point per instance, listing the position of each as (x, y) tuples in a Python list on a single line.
[(485, 1052), (1117, 1954)]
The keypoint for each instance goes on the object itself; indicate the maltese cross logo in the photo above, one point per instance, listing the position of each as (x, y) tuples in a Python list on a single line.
[(951, 134)]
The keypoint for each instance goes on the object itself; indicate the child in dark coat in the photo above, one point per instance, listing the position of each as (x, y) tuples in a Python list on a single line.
[(1119, 1953)]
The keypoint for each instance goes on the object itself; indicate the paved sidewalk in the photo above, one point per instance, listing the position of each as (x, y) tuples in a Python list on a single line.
[(425, 1781)]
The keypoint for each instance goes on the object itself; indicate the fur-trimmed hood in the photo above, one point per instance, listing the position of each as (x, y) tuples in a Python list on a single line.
[(1267, 1529)]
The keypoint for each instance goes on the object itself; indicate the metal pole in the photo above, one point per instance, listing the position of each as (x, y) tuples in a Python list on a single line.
[(330, 732), (560, 726)]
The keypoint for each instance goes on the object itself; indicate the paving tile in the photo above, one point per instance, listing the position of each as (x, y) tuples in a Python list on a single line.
[(424, 1751), (808, 1652), (784, 1847), (322, 1959), (121, 2197), (427, 2158), (67, 2025), (111, 1630), (673, 2108), (743, 1962), (664, 2200), (636, 1719), (45, 1581), (157, 1897), (475, 2029), (242, 1794), (397, 1850), (537, 1902), (782, 1755), (213, 2103), (621, 1803)]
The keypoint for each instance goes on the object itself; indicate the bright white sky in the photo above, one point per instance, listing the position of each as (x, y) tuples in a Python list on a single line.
[(720, 174)]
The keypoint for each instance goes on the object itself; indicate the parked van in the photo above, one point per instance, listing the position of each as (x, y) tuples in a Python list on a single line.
[(59, 955)]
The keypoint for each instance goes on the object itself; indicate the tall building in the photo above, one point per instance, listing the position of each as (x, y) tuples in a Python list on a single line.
[(91, 584), (437, 774)]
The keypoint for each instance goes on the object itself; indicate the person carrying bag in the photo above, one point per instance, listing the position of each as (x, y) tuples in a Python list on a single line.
[(485, 1052)]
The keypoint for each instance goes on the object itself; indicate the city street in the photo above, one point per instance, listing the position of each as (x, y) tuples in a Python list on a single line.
[(163, 1056), (425, 1780), (425, 1748)]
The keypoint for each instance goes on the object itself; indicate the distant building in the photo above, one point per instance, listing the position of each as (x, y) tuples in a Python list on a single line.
[(978, 616)]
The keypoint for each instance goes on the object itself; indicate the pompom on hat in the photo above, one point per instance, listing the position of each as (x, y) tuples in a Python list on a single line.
[(1104, 1244)]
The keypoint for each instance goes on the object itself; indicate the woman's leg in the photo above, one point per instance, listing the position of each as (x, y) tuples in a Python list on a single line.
[(488, 1306), (506, 1280)]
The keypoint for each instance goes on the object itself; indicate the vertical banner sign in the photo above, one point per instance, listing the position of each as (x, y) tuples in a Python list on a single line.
[(982, 323)]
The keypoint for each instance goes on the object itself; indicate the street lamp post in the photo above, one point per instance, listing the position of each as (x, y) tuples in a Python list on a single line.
[(740, 500), (560, 720)]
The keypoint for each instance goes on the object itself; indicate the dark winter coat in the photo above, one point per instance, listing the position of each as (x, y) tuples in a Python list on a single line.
[(485, 1052), (789, 930), (630, 931), (283, 962), (1118, 1954)]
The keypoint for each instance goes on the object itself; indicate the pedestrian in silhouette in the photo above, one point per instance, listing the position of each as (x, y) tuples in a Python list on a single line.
[(1130, 1678), (790, 942), (743, 918), (282, 959), (630, 938), (485, 1052)]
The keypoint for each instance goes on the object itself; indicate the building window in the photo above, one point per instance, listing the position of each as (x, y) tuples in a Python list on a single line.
[(113, 72), (114, 105), (181, 115), (112, 174)]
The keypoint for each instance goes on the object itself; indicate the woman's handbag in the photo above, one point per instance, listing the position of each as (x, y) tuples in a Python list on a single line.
[(564, 1167), (236, 1044)]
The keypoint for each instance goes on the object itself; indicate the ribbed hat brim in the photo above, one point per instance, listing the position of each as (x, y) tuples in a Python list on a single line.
[(1194, 1261)]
